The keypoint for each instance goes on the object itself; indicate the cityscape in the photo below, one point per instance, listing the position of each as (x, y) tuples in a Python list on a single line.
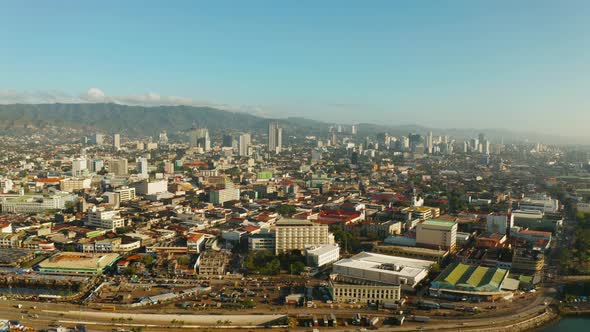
[(278, 208)]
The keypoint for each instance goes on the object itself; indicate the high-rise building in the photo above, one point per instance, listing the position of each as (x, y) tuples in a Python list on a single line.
[(98, 139), (437, 234), (79, 166), (275, 137), (429, 143), (142, 167), (118, 166), (163, 138), (353, 129), (244, 145), (228, 141), (295, 234), (169, 167), (116, 142), (199, 137)]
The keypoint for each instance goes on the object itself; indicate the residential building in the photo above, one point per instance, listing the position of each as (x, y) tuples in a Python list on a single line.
[(118, 166), (275, 137), (125, 193), (294, 234)]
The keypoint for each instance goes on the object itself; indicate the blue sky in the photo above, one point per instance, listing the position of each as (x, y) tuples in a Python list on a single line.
[(482, 64)]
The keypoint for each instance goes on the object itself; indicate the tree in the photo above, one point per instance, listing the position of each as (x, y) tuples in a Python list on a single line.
[(286, 210), (297, 268)]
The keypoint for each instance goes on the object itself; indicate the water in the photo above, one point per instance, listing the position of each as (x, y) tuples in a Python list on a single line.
[(33, 291), (568, 324)]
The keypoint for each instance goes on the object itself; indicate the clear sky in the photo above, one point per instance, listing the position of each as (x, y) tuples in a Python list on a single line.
[(482, 64)]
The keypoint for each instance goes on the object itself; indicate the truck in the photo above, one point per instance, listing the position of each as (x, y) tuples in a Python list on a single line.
[(356, 320), (333, 321), (422, 319)]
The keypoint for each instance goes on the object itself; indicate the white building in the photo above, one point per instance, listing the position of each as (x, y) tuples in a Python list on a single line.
[(104, 218), (275, 137), (125, 194), (142, 168), (544, 204), (116, 142), (244, 145), (150, 188), (498, 223), (318, 256), (382, 269), (35, 203), (79, 167)]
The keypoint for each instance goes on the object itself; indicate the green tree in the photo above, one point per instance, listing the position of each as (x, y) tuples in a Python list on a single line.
[(286, 210), (297, 268)]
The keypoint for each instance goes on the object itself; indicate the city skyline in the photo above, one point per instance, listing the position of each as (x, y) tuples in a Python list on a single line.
[(452, 65)]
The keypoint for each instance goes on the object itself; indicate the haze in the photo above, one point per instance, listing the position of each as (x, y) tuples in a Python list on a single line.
[(453, 64)]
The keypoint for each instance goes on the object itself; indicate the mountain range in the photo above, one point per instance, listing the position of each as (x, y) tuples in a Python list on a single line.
[(148, 121)]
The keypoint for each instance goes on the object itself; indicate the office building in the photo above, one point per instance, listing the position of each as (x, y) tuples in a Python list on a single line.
[(73, 184), (364, 293), (101, 217), (142, 168), (116, 142), (118, 166), (275, 137), (243, 145), (199, 137), (295, 234), (368, 267), (319, 256), (228, 141), (35, 203), (437, 234), (79, 167), (125, 194), (99, 139)]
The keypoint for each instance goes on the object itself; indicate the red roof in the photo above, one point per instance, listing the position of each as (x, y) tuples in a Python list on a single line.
[(48, 180)]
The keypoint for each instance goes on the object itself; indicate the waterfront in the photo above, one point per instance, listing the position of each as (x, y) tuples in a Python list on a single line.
[(568, 324)]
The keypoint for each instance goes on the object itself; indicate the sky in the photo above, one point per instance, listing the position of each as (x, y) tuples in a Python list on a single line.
[(518, 65)]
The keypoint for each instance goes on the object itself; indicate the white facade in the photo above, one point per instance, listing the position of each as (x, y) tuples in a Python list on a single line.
[(103, 218), (79, 167), (385, 269), (362, 294), (243, 145), (34, 203), (275, 137), (142, 168), (498, 223), (125, 194), (150, 188), (72, 184), (318, 256)]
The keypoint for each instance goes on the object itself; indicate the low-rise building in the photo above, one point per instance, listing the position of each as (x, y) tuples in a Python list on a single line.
[(437, 234), (383, 269), (319, 256)]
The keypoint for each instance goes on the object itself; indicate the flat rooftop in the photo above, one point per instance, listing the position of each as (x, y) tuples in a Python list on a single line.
[(439, 223), (402, 266), (76, 260)]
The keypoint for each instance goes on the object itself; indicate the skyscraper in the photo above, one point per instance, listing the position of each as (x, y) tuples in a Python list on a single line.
[(228, 140), (142, 167), (118, 166), (199, 137), (275, 137), (98, 139), (116, 142), (243, 145), (429, 143)]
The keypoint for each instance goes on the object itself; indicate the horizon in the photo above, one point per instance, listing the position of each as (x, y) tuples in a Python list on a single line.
[(453, 65)]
